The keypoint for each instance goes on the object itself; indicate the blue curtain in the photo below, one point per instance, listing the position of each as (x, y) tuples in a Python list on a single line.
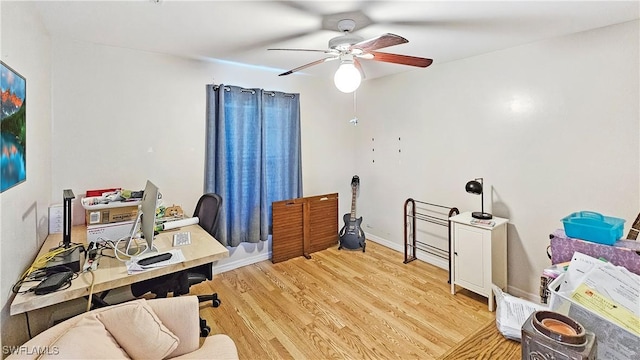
[(252, 157)]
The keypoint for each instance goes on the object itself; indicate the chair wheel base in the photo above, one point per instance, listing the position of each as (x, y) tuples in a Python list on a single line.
[(205, 330)]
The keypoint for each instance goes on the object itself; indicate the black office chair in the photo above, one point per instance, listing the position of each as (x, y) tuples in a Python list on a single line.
[(208, 213)]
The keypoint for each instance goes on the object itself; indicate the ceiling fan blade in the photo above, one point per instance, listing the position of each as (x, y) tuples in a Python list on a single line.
[(400, 59), (308, 65), (379, 42), (312, 50)]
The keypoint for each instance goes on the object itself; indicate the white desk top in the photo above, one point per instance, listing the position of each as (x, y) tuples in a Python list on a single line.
[(112, 273)]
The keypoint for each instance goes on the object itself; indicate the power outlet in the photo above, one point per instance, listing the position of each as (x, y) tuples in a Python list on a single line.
[(55, 219)]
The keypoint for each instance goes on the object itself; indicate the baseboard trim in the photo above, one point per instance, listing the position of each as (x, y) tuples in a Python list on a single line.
[(232, 265), (433, 260), (514, 291)]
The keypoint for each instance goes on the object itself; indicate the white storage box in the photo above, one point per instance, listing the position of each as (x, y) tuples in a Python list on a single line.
[(113, 231), (614, 342), (91, 203)]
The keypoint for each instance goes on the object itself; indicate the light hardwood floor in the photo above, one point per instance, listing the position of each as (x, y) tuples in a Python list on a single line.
[(342, 304)]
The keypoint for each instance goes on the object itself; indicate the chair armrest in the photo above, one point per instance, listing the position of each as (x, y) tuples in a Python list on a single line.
[(181, 315)]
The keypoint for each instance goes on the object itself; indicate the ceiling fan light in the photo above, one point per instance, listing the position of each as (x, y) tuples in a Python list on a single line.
[(347, 77)]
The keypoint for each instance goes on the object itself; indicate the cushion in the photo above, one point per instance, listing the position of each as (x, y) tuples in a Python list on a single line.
[(88, 336), (138, 330)]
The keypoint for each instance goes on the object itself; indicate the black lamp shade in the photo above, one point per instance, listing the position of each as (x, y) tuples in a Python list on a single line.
[(475, 187)]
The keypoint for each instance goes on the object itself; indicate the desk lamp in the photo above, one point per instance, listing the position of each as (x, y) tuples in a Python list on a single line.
[(475, 187)]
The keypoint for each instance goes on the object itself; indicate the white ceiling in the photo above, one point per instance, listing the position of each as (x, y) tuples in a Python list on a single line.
[(241, 31)]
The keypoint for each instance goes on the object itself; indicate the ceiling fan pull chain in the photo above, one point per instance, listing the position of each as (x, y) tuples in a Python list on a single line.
[(355, 103), (354, 121)]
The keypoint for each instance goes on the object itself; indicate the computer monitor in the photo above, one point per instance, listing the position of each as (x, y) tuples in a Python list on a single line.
[(148, 217)]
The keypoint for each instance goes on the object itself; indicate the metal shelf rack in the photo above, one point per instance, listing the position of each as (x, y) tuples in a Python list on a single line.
[(431, 213)]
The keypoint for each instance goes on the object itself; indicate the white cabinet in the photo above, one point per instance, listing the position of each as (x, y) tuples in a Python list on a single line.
[(479, 256)]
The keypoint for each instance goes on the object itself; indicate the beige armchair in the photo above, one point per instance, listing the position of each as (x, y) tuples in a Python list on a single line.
[(141, 329)]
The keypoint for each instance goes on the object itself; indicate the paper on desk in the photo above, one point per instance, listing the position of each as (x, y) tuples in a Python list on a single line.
[(176, 258)]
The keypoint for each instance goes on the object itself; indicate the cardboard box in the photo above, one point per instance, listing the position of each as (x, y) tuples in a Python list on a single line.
[(111, 215), (113, 231)]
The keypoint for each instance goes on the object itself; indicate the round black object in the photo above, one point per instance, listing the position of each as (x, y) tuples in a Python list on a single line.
[(481, 215), (473, 187)]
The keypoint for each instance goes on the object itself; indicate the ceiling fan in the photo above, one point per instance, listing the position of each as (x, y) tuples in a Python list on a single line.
[(350, 48)]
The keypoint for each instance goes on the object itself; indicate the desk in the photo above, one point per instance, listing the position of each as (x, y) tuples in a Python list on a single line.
[(112, 273)]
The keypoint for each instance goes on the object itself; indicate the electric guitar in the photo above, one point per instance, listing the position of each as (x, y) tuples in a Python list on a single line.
[(635, 229), (351, 235)]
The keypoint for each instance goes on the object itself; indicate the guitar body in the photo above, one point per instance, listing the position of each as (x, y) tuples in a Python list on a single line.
[(351, 235)]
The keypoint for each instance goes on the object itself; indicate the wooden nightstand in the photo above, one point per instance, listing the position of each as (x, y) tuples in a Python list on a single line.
[(479, 255)]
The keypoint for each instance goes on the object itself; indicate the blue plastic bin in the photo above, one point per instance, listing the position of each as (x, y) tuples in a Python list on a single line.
[(592, 226)]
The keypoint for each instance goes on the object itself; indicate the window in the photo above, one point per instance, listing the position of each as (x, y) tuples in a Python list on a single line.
[(252, 157)]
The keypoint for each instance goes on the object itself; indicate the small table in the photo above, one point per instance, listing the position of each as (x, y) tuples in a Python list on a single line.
[(479, 256), (112, 273)]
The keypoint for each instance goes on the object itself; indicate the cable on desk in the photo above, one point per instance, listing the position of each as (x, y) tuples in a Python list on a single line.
[(93, 278), (117, 252), (37, 270), (41, 261)]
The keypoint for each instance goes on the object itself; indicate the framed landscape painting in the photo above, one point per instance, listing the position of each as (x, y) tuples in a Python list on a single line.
[(13, 128)]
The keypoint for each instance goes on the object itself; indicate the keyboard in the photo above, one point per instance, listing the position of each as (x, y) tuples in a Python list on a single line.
[(181, 238), (154, 259)]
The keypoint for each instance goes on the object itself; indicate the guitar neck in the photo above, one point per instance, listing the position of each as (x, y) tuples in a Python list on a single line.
[(635, 229), (353, 204)]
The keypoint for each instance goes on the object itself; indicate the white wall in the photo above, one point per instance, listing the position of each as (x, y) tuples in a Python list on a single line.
[(122, 116), (25, 48), (551, 126)]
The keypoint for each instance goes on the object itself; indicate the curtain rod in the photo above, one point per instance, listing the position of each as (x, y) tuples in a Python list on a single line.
[(272, 93)]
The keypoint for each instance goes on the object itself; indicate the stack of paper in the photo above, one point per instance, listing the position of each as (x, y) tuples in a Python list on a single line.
[(612, 292), (605, 299)]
